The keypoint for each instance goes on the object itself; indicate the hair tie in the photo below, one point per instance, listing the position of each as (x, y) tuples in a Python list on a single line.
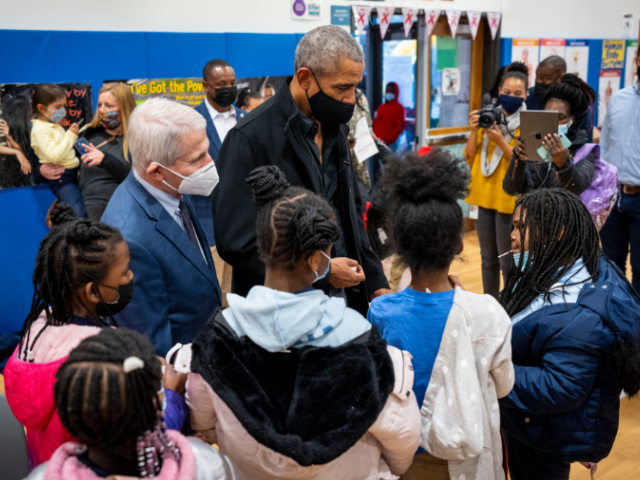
[(131, 364)]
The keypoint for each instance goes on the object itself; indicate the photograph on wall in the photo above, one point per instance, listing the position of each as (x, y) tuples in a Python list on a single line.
[(631, 71), (576, 55), (450, 81), (612, 55), (15, 105), (550, 47), (609, 84), (526, 50)]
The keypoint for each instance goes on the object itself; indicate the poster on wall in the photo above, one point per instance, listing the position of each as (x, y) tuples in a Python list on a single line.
[(189, 91), (609, 84), (577, 57), (612, 54), (16, 111), (550, 47), (526, 50), (306, 9), (631, 71), (450, 81)]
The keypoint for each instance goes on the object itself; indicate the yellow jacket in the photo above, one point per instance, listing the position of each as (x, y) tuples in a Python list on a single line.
[(487, 192), (52, 144)]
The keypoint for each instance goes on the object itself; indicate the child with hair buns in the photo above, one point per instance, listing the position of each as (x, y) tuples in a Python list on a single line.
[(460, 341), (110, 397), (289, 382)]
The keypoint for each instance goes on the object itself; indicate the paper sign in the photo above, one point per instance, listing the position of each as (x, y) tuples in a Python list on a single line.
[(450, 81), (609, 84), (576, 54), (409, 16), (552, 47), (473, 212), (493, 18), (474, 21), (526, 50), (631, 75), (341, 16), (306, 9), (454, 20), (384, 16), (361, 14), (612, 54), (365, 146), (431, 18)]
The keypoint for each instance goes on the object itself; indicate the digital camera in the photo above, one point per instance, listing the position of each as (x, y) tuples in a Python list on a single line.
[(489, 115)]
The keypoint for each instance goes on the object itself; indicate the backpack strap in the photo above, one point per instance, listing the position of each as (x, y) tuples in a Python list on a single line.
[(585, 150)]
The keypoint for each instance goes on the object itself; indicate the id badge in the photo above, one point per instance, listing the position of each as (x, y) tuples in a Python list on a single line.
[(473, 212)]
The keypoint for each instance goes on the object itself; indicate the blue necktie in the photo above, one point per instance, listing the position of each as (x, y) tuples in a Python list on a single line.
[(187, 221)]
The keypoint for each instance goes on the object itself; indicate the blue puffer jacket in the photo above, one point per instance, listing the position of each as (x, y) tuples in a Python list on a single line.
[(566, 397)]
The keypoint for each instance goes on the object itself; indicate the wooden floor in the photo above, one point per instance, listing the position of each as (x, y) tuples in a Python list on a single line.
[(624, 461)]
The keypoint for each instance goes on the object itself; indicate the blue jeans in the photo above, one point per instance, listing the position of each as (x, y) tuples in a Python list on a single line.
[(621, 235), (66, 190)]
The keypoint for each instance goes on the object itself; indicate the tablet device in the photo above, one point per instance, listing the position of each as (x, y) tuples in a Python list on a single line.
[(534, 126)]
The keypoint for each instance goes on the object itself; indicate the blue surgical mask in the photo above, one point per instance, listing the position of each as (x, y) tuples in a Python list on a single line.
[(57, 116), (389, 96), (564, 129), (326, 272), (525, 259), (511, 104)]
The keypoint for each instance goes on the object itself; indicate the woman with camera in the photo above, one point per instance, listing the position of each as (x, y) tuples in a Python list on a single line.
[(572, 98), (493, 136)]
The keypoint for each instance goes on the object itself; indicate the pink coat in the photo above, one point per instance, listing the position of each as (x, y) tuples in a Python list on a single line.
[(385, 451), (29, 387)]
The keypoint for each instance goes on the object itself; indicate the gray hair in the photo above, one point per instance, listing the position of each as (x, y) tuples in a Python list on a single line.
[(321, 49), (155, 131)]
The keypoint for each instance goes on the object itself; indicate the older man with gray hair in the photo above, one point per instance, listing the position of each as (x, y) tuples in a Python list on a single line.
[(301, 130), (175, 288)]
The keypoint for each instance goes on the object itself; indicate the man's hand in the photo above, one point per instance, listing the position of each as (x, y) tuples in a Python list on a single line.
[(379, 292), (345, 273), (51, 171)]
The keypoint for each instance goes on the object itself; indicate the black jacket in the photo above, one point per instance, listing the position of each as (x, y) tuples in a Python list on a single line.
[(98, 183), (272, 135), (575, 177)]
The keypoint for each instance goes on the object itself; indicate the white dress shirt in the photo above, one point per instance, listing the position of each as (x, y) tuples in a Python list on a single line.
[(223, 121), (169, 203)]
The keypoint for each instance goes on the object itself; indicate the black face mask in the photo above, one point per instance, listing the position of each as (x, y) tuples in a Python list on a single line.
[(125, 293), (225, 96), (328, 110), (541, 89)]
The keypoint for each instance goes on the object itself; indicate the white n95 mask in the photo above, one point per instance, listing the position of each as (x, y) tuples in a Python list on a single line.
[(201, 182)]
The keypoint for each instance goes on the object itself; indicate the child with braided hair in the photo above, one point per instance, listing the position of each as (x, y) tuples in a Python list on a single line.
[(460, 341), (576, 339), (290, 382), (109, 395), (81, 279)]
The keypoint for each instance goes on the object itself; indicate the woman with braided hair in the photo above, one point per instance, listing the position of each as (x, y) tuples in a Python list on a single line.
[(576, 339), (572, 98), (109, 395), (290, 382), (81, 279)]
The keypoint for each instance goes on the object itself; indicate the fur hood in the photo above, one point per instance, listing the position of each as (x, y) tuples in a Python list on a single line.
[(311, 404)]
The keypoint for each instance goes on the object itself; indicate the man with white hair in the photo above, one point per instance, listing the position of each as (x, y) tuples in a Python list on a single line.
[(301, 130), (175, 289)]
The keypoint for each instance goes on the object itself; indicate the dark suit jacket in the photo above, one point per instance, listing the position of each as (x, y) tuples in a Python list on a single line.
[(272, 135), (202, 205), (174, 290)]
